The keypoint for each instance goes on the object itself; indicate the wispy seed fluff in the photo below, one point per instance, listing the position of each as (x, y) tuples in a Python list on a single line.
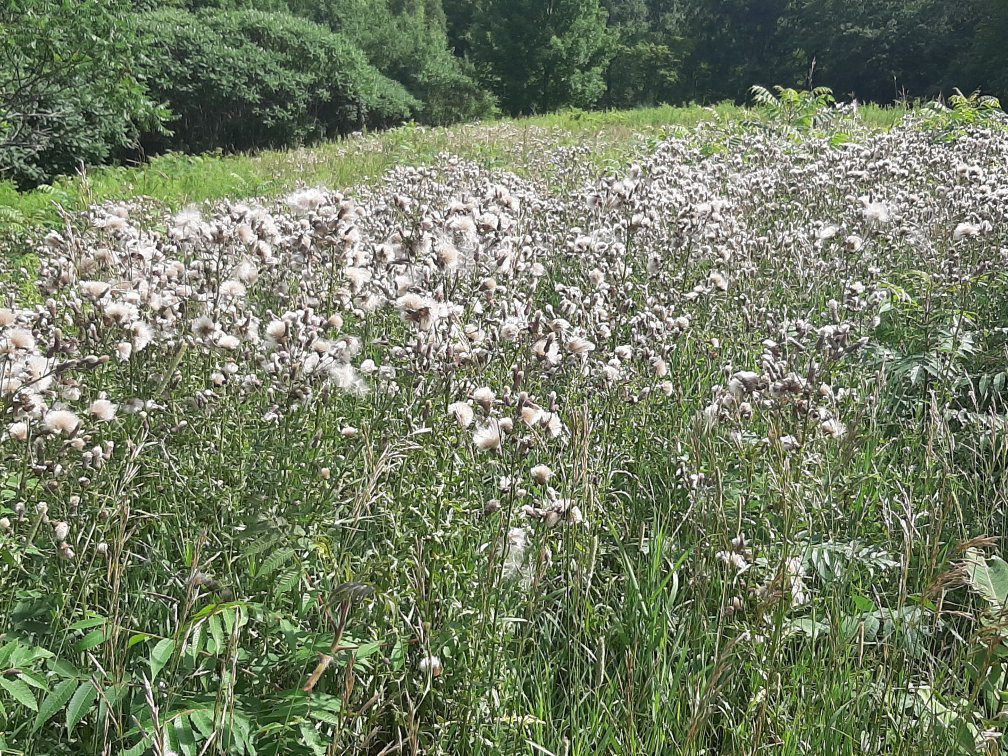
[(306, 200), (541, 474), (833, 428), (232, 289), (462, 413), (276, 330), (485, 396), (18, 431), (488, 437), (431, 665), (21, 338), (103, 409), (61, 421)]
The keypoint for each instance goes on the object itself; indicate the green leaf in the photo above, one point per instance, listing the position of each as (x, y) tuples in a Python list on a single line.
[(63, 668), (275, 561), (182, 735), (54, 702), (87, 624), (139, 748), (91, 640), (203, 720), (83, 699), (311, 738), (988, 577), (19, 691), (161, 654), (6, 651), (217, 633), (34, 679), (137, 638)]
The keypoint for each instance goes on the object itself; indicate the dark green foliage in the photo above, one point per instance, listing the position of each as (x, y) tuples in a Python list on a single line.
[(68, 93), (988, 61), (406, 41), (881, 51), (647, 57), (540, 55), (248, 79)]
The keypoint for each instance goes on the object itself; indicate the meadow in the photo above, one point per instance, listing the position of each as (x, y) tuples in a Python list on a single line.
[(672, 431)]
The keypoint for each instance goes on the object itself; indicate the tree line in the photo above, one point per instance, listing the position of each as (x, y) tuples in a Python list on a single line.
[(92, 81)]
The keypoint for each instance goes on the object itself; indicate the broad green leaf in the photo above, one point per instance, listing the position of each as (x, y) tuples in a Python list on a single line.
[(19, 691), (63, 668), (203, 720), (275, 561), (91, 640), (139, 748), (182, 735), (54, 702), (160, 655), (217, 632), (988, 577), (312, 739), (137, 638), (83, 699), (6, 651), (34, 679), (87, 624)]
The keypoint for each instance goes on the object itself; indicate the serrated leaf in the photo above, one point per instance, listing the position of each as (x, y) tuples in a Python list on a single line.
[(312, 739), (91, 640), (183, 736), (203, 721), (63, 668), (19, 691), (81, 702), (328, 717), (34, 679), (286, 581), (275, 561), (160, 655), (6, 651), (54, 702), (139, 748)]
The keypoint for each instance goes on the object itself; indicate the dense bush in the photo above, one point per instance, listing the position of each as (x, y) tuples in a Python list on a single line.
[(68, 94), (249, 79), (411, 47)]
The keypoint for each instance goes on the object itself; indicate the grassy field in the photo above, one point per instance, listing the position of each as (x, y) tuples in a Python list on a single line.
[(178, 180), (673, 431)]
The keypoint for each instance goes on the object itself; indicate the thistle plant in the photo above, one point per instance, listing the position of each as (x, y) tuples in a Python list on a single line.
[(475, 460)]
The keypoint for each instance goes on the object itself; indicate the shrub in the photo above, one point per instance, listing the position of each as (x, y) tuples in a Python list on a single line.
[(410, 47), (251, 79), (68, 93)]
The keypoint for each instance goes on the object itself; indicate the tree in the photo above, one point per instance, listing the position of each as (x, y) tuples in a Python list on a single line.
[(69, 93), (731, 45), (540, 55), (880, 49), (987, 59), (646, 58), (406, 41)]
